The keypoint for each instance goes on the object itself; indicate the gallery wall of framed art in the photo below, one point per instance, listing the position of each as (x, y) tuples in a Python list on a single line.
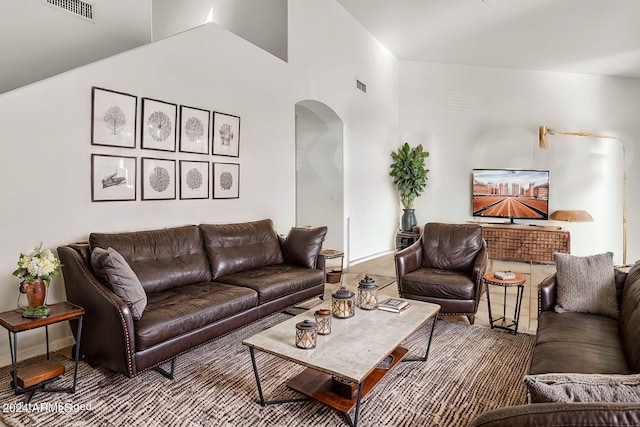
[(185, 134)]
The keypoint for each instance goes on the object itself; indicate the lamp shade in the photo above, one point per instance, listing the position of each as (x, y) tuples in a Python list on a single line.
[(571, 216)]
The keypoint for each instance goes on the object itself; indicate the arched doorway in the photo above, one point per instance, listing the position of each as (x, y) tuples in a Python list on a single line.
[(320, 170)]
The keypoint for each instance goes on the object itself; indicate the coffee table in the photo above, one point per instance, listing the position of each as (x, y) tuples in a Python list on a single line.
[(353, 351)]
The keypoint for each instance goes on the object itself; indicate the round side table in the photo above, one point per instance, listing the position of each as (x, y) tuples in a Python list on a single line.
[(501, 322)]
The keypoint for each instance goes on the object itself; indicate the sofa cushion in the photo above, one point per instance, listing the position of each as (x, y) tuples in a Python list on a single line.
[(174, 312), (232, 248), (451, 246), (566, 388), (302, 245), (630, 317), (275, 281), (162, 259), (586, 284), (113, 270), (579, 343)]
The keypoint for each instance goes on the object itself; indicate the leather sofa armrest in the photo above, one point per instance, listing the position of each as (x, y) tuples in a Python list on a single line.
[(547, 294), (409, 259), (561, 414), (480, 267), (108, 328)]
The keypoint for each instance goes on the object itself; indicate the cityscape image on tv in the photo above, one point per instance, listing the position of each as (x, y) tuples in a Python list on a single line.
[(504, 193)]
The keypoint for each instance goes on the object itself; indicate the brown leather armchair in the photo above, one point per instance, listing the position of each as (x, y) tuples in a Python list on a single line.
[(445, 266)]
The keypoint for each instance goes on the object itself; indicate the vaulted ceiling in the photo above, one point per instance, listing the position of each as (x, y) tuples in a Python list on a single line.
[(576, 36)]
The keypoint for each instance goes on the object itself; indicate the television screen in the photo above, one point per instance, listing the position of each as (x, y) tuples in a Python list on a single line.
[(508, 193)]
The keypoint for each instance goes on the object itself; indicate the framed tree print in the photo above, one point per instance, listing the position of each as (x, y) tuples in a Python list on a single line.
[(194, 180), (113, 178), (194, 130), (113, 118), (226, 135), (226, 180), (158, 125), (158, 179)]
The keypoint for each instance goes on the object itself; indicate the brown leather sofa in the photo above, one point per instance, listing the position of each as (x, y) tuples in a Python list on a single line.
[(585, 344), (445, 267), (200, 282)]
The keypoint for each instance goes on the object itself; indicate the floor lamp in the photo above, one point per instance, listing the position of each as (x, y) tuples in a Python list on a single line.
[(543, 131)]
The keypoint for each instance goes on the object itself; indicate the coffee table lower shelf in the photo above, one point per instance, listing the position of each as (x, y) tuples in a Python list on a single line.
[(318, 385)]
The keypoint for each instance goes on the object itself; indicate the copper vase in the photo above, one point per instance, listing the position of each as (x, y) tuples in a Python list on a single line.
[(36, 291)]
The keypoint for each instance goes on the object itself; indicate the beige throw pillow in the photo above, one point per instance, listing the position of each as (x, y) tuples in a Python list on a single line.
[(114, 271), (586, 284), (565, 388)]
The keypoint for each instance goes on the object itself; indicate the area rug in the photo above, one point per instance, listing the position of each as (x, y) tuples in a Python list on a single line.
[(470, 370)]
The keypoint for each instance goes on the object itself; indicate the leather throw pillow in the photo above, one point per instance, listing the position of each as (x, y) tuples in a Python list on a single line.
[(586, 284), (302, 246), (114, 271)]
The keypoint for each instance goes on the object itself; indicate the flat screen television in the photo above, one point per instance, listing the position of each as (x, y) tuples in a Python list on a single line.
[(511, 193)]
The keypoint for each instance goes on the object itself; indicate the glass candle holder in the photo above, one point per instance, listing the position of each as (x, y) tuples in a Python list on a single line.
[(368, 294), (343, 303), (306, 334), (323, 321)]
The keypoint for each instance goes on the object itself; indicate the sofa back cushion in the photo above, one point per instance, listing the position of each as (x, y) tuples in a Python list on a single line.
[(162, 259), (238, 247), (630, 318), (451, 246)]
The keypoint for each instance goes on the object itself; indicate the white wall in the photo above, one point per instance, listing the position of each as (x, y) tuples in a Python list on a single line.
[(473, 117), (38, 41), (46, 137)]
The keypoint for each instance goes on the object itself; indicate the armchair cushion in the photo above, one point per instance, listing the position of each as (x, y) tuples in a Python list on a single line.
[(302, 245), (566, 388), (116, 273), (451, 246), (586, 284)]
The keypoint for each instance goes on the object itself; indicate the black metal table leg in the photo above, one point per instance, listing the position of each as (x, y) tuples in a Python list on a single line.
[(264, 402), (426, 355)]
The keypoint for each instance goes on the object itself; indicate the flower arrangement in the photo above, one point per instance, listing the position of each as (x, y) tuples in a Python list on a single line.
[(41, 264)]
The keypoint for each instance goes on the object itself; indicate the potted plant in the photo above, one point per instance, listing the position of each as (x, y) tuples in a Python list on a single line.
[(410, 177)]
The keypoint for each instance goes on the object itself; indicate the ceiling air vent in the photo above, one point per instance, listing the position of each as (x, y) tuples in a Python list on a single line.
[(77, 8), (361, 86)]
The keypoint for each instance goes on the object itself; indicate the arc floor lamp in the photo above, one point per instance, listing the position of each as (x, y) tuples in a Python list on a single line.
[(543, 131)]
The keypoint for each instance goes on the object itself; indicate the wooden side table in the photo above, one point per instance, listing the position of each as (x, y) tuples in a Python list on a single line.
[(34, 378), (501, 322), (326, 254), (405, 239)]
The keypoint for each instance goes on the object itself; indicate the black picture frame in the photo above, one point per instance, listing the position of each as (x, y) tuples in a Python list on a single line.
[(195, 125), (113, 118), (158, 179), (194, 179), (226, 180), (158, 127), (226, 135), (113, 178)]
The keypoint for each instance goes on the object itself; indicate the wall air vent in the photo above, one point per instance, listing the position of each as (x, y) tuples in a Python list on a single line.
[(77, 8), (361, 86)]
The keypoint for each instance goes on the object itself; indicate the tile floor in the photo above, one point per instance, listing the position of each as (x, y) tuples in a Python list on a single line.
[(384, 266)]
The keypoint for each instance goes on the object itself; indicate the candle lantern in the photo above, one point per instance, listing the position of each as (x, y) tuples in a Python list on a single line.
[(343, 303), (323, 320), (368, 294), (306, 334)]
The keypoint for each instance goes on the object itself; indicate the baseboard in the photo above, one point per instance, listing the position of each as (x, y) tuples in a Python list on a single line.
[(370, 257)]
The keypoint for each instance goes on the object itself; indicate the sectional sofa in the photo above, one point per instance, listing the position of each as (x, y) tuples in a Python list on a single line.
[(152, 295)]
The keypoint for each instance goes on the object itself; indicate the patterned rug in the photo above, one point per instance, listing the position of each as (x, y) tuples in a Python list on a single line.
[(471, 369)]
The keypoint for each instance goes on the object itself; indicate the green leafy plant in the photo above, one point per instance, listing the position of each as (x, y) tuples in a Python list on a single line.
[(409, 173)]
